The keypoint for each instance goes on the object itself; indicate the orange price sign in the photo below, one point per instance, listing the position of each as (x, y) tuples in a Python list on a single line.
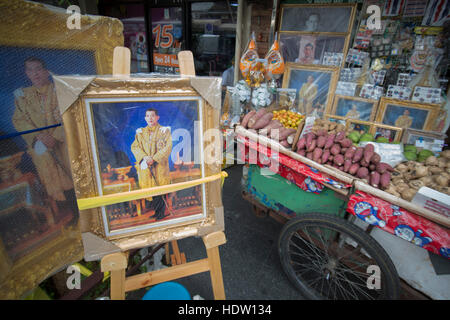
[(164, 37)]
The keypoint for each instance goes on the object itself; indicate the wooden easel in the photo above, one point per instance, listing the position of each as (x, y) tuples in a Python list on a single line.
[(116, 263)]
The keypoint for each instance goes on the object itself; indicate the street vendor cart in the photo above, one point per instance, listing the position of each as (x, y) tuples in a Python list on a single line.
[(327, 247)]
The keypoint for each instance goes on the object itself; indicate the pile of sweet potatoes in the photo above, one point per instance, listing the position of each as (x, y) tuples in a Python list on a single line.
[(338, 151), (262, 121)]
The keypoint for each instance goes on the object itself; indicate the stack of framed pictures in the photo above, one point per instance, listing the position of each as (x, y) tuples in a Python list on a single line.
[(316, 33)]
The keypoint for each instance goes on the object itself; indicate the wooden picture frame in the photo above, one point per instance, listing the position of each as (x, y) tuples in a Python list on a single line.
[(412, 134), (359, 125), (423, 118), (313, 16), (394, 134), (360, 104), (30, 30), (337, 119), (175, 101), (315, 100)]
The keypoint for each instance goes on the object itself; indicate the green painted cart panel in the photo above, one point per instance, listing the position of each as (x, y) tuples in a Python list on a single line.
[(279, 194)]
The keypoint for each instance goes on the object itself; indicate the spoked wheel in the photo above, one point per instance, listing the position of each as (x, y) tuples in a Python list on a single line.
[(327, 257)]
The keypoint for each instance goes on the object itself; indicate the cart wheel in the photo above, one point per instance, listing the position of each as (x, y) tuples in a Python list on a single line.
[(327, 257)]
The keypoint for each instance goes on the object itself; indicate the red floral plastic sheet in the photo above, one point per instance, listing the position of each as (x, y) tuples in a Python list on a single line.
[(400, 222), (307, 178)]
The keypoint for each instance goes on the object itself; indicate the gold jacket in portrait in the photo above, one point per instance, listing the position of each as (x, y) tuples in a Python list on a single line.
[(155, 142)]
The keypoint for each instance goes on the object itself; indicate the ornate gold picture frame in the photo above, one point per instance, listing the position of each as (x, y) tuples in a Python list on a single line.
[(356, 108), (315, 85), (393, 134), (407, 114), (42, 236), (114, 114)]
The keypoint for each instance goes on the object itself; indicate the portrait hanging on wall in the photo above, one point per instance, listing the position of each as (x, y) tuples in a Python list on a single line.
[(354, 108), (315, 85)]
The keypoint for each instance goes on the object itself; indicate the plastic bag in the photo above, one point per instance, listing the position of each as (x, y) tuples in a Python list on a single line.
[(248, 59), (391, 154)]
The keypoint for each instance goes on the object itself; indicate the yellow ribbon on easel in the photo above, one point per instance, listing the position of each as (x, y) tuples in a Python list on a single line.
[(95, 202)]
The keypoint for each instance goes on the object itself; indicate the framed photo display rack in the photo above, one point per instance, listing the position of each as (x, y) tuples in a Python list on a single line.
[(316, 33)]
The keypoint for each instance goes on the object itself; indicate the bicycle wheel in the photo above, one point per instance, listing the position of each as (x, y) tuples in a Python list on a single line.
[(327, 257)]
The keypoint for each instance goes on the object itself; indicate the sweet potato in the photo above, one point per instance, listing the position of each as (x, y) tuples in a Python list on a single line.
[(341, 168), (346, 143), (312, 146), (340, 136), (362, 172), (343, 150), (363, 163), (347, 164), (374, 179), (372, 167), (309, 138), (383, 167), (385, 180), (247, 117), (301, 143), (321, 141), (375, 158), (368, 152), (353, 168), (263, 121), (339, 159), (317, 155), (335, 149), (321, 132), (286, 132), (329, 141), (309, 155), (358, 154), (258, 114), (331, 157), (301, 152), (273, 124), (325, 155), (350, 152), (285, 144)]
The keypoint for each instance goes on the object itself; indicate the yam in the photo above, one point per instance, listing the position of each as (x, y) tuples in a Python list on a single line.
[(309, 155), (309, 138), (338, 159), (364, 163), (329, 141), (431, 161), (258, 114), (375, 158), (353, 169), (321, 141), (321, 132), (385, 180), (285, 144), (346, 143), (369, 150), (374, 179), (335, 149), (301, 152), (301, 143), (263, 121), (372, 167), (362, 173), (358, 154), (392, 190), (339, 136), (347, 164), (325, 155), (247, 117), (281, 133), (350, 152), (408, 194), (331, 125), (383, 167), (442, 163), (312, 146), (317, 155)]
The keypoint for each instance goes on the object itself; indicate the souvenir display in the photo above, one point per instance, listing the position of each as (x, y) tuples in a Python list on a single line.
[(426, 95), (356, 57), (403, 79), (346, 88), (398, 92), (332, 59), (369, 91)]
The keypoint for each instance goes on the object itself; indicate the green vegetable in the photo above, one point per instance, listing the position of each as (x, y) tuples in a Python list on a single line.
[(410, 147), (366, 137), (354, 136), (410, 155), (425, 153), (382, 140)]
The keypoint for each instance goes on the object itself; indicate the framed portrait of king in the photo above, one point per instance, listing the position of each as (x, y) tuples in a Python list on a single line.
[(149, 137), (38, 206)]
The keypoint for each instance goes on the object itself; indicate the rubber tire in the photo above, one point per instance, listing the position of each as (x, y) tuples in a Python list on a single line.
[(373, 248)]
